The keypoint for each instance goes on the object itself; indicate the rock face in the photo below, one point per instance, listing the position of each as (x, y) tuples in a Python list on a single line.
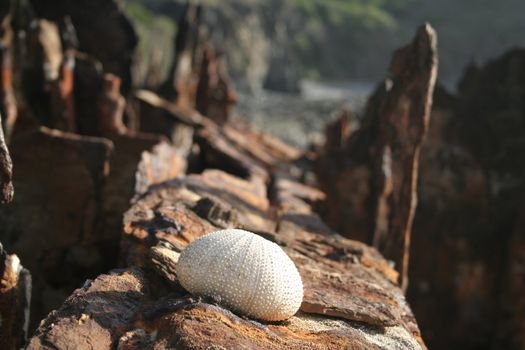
[(469, 218), (467, 241), (15, 296), (83, 155), (404, 118), (177, 87), (380, 165), (93, 20), (351, 298), (215, 93), (8, 108), (6, 169), (51, 223), (74, 184)]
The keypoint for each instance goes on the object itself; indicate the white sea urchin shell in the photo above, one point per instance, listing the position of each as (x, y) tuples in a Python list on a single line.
[(250, 274)]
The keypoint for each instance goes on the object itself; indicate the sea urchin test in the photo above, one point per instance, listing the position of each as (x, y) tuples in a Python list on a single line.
[(249, 274)]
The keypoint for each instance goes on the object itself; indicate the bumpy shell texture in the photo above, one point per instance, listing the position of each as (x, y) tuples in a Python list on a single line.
[(250, 274)]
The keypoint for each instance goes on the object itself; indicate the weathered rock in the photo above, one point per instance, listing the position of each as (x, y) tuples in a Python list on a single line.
[(51, 222), (96, 315), (41, 73), (8, 107), (338, 132), (66, 223), (62, 98), (197, 205), (469, 213), (291, 196), (351, 167), (215, 93), (89, 82), (111, 107), (511, 326), (447, 260), (266, 149), (404, 121), (6, 169), (164, 261), (178, 86), (60, 84), (124, 309), (157, 115), (351, 299), (218, 151), (164, 162), (92, 21), (490, 98), (200, 324), (120, 184), (15, 297), (382, 157)]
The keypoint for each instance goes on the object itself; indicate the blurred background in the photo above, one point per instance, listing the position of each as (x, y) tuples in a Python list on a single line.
[(297, 62)]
